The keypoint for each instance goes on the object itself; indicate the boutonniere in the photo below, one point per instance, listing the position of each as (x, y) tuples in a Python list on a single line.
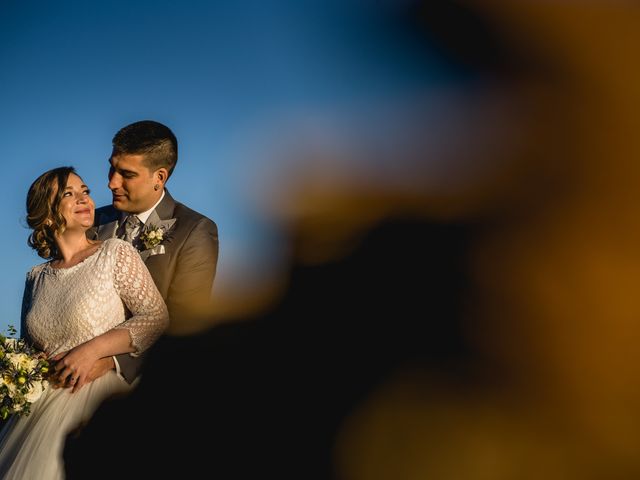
[(152, 237), (153, 234)]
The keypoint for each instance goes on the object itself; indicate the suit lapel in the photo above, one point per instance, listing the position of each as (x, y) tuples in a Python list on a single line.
[(164, 210), (154, 219), (162, 216), (107, 225), (108, 230)]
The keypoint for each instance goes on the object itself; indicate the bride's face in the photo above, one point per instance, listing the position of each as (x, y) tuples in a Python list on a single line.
[(77, 206)]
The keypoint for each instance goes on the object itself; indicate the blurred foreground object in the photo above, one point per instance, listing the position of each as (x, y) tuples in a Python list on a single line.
[(459, 300), (554, 307)]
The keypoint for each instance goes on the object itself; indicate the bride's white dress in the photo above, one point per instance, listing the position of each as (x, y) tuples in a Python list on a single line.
[(63, 308)]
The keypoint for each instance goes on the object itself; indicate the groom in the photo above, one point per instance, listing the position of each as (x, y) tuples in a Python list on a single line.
[(178, 245)]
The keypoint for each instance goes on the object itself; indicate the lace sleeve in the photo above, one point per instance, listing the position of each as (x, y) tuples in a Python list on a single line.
[(134, 284)]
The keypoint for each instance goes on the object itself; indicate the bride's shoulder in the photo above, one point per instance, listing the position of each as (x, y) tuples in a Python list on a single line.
[(36, 270), (117, 244)]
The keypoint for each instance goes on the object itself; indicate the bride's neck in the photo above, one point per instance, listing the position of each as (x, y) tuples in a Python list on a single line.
[(72, 245)]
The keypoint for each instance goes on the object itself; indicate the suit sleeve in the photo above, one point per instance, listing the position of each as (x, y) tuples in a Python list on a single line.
[(190, 290), (129, 367)]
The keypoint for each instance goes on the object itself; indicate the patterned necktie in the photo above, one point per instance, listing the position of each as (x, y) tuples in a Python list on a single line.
[(131, 227)]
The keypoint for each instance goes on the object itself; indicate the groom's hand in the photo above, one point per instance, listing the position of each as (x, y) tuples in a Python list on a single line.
[(101, 367)]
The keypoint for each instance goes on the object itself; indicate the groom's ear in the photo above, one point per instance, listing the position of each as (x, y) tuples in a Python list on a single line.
[(162, 174)]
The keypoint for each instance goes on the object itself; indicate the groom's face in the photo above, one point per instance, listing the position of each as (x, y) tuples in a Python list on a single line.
[(131, 183)]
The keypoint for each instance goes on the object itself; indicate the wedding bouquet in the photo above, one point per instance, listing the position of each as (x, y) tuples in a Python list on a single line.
[(23, 375)]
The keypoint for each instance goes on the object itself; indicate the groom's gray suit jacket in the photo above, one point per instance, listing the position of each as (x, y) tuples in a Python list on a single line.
[(183, 266)]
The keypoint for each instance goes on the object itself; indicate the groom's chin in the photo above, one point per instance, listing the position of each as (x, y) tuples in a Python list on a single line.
[(119, 202)]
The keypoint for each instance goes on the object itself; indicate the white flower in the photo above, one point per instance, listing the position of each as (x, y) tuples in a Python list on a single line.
[(35, 392), (13, 389), (23, 372), (22, 361), (152, 236)]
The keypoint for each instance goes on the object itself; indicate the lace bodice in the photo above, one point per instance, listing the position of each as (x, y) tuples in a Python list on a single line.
[(64, 307)]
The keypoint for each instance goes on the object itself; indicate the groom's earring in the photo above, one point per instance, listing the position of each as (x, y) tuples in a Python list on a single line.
[(156, 187)]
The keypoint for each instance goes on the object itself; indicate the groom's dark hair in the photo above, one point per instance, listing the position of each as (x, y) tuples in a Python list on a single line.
[(152, 139)]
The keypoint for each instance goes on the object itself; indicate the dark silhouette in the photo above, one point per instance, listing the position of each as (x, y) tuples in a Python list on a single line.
[(267, 395)]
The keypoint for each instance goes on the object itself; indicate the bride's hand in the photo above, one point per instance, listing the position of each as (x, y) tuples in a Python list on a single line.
[(72, 368)]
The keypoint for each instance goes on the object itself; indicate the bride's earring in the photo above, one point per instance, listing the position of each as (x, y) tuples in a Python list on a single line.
[(156, 187)]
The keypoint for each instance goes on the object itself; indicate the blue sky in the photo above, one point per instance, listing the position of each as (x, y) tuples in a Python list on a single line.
[(234, 80)]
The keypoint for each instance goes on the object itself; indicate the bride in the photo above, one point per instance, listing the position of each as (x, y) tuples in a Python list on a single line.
[(88, 301)]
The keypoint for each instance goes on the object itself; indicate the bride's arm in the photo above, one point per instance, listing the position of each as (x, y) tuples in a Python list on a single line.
[(133, 282), (73, 367), (149, 318)]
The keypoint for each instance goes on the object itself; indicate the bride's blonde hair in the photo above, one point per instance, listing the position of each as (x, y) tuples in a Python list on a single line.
[(43, 216)]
